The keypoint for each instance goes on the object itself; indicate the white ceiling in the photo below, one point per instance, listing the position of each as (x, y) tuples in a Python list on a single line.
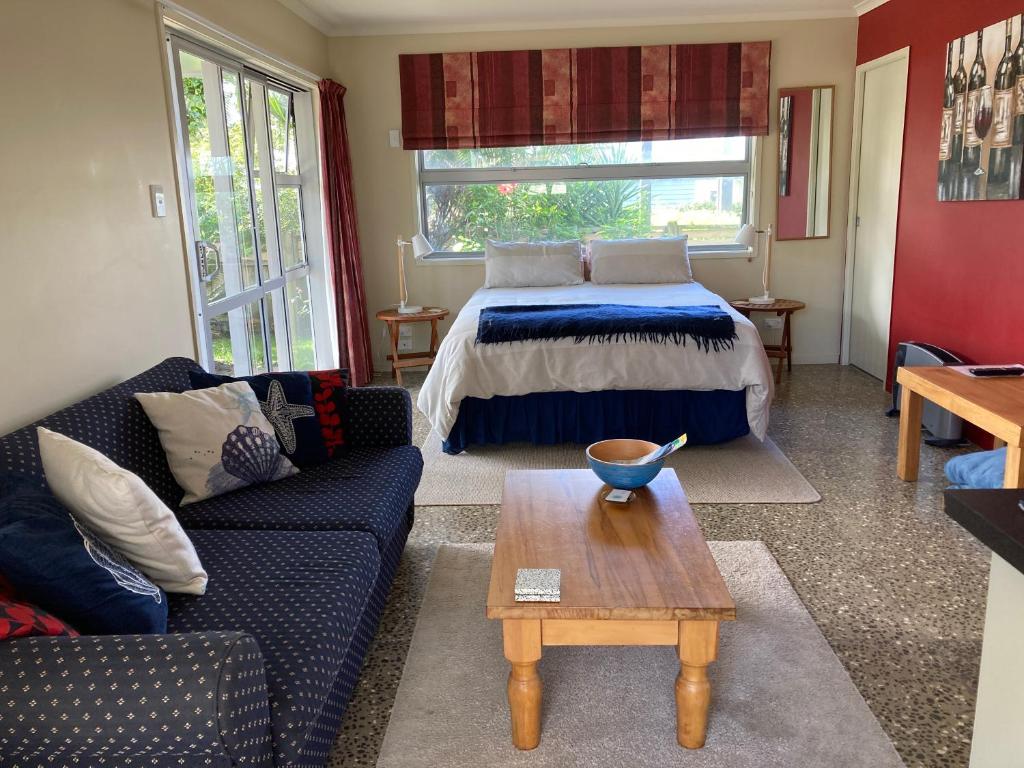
[(385, 17)]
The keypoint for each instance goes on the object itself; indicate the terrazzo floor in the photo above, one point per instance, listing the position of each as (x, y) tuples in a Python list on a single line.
[(897, 588)]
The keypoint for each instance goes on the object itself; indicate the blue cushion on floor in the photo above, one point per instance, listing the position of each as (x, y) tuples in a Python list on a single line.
[(301, 595), (62, 566), (366, 489), (982, 469)]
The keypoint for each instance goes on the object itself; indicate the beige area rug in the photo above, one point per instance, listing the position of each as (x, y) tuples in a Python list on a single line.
[(780, 697), (744, 471)]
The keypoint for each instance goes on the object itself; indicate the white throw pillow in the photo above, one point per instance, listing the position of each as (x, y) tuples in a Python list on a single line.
[(532, 265), (123, 511), (216, 440), (652, 260)]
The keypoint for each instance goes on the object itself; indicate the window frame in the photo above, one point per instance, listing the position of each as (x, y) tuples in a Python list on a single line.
[(746, 168), (273, 284)]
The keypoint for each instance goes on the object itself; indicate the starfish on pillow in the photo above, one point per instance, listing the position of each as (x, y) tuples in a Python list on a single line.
[(281, 414)]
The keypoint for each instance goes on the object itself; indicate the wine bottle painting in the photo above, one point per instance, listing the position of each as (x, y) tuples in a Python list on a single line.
[(981, 134)]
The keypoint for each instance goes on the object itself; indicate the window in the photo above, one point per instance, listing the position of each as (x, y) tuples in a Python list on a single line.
[(252, 198), (698, 187)]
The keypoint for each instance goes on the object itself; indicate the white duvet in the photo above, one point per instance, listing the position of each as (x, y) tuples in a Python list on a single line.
[(464, 368)]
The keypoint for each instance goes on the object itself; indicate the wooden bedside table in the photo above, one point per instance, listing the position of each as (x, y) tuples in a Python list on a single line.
[(783, 308), (411, 359)]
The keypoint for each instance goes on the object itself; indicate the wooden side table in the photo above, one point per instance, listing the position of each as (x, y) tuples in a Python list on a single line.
[(783, 308), (395, 320)]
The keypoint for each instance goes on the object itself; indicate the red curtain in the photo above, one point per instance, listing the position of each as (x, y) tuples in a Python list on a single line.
[(581, 95), (343, 237)]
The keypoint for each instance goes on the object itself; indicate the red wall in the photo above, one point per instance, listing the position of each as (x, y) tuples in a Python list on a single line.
[(959, 278), (793, 208)]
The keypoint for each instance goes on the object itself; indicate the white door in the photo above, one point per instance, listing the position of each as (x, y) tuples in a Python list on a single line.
[(252, 195), (883, 95)]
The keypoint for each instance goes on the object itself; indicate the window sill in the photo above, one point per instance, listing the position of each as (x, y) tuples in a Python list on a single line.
[(471, 259)]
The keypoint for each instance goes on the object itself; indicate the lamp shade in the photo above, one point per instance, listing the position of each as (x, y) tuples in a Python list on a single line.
[(747, 236), (420, 246)]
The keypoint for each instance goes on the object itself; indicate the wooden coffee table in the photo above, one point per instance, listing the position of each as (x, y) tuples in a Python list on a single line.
[(631, 574)]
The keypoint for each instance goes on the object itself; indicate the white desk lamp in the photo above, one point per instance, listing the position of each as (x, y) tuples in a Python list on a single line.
[(749, 236), (420, 248)]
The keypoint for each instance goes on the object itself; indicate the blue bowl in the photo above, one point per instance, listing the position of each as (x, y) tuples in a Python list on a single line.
[(602, 456)]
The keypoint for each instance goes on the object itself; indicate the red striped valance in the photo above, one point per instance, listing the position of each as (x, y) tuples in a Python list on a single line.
[(581, 95)]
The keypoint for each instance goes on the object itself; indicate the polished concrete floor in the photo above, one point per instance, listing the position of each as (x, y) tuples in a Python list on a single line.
[(896, 587)]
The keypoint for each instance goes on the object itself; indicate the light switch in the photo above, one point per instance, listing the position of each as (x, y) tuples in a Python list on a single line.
[(157, 201), (395, 138)]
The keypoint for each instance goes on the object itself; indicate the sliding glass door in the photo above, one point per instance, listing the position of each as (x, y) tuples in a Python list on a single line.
[(252, 191)]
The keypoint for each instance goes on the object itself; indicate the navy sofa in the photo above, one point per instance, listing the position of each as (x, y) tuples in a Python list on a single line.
[(259, 670)]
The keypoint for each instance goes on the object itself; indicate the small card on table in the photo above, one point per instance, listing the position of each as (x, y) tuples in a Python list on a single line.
[(538, 585)]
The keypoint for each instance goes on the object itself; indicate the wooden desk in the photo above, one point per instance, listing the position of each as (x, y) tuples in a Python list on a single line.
[(631, 574), (394, 320), (996, 405), (781, 307)]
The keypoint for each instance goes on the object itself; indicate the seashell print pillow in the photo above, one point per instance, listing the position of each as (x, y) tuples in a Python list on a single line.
[(216, 440)]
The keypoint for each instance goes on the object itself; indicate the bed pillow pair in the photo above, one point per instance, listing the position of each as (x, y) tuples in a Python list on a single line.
[(640, 260), (631, 261), (532, 265)]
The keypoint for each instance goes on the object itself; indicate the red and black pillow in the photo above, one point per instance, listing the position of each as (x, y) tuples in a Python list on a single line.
[(328, 400), (21, 619)]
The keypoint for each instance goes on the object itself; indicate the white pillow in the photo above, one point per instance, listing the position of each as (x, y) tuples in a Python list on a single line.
[(532, 265), (216, 440), (652, 260), (123, 511)]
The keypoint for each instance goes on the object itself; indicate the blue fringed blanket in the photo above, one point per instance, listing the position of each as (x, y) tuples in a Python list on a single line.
[(709, 326)]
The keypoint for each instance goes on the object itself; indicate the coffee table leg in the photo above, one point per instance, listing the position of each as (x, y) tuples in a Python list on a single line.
[(698, 647), (523, 650)]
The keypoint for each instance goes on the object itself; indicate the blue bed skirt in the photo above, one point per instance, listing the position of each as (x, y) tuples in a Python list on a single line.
[(546, 418)]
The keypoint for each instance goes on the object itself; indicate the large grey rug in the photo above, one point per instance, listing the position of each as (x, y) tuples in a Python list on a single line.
[(744, 471), (781, 699)]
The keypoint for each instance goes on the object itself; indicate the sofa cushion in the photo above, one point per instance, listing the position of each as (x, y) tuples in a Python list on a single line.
[(123, 511), (114, 424), (301, 595), (286, 399), (21, 619), (62, 566), (329, 401), (366, 489), (216, 440)]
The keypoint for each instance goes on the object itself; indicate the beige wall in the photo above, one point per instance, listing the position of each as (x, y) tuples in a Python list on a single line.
[(92, 287), (804, 53)]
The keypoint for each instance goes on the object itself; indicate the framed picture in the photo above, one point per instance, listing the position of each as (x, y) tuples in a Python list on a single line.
[(785, 143), (981, 136)]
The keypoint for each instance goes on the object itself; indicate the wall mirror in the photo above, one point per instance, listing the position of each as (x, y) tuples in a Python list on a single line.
[(805, 162)]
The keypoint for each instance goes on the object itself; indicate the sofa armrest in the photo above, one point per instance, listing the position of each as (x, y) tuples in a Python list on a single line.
[(100, 700), (377, 417)]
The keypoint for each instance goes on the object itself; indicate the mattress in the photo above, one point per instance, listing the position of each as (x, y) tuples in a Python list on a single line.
[(464, 368)]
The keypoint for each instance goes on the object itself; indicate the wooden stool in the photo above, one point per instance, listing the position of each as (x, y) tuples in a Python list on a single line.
[(783, 308), (411, 359)]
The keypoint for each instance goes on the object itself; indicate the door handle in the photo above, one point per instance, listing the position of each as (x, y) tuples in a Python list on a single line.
[(203, 261)]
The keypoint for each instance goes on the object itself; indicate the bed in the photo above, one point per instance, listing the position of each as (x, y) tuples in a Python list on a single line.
[(555, 391)]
